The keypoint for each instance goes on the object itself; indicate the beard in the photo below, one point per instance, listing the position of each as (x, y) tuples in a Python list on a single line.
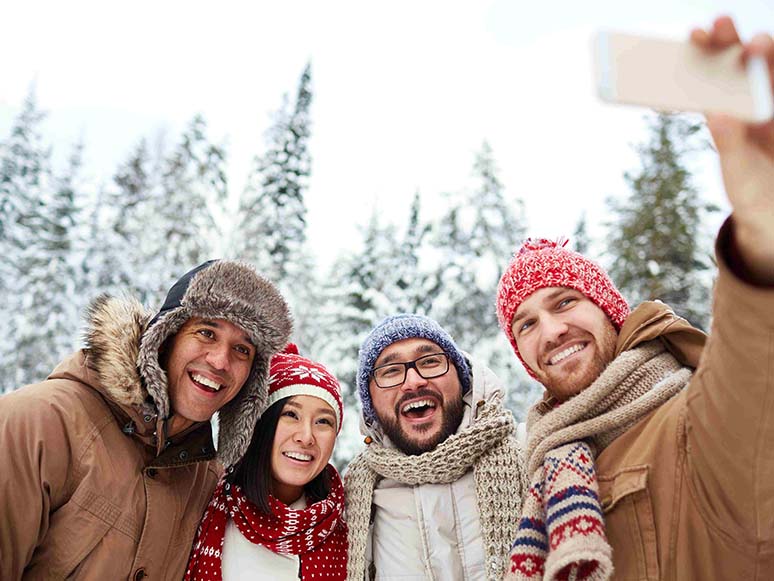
[(451, 418), (572, 383)]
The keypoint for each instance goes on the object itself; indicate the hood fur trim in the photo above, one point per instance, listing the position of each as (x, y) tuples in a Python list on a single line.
[(114, 327)]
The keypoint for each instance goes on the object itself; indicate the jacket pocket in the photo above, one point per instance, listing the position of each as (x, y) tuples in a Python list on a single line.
[(629, 523), (76, 529)]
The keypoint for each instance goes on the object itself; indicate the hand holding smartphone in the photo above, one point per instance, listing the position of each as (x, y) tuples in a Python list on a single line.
[(678, 76)]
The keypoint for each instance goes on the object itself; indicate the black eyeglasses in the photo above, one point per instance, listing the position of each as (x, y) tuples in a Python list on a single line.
[(427, 366)]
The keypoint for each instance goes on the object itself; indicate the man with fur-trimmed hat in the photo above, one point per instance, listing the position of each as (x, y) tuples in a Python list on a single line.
[(650, 455), (108, 464), (436, 492)]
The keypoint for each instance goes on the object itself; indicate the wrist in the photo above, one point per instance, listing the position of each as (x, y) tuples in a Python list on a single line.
[(752, 244)]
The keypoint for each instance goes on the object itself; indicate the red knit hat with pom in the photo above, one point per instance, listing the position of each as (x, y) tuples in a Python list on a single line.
[(290, 374), (541, 263)]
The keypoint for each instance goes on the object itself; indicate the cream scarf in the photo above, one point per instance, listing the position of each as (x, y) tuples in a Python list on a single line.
[(488, 446), (561, 530)]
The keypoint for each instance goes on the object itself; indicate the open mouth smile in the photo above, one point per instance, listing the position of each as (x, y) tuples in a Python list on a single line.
[(419, 409), (298, 456), (565, 353), (205, 383)]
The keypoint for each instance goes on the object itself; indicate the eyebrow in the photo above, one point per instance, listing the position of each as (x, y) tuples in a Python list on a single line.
[(548, 298), (419, 351), (216, 325)]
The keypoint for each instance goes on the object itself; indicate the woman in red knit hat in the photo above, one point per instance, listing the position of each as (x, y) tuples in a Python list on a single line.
[(278, 512)]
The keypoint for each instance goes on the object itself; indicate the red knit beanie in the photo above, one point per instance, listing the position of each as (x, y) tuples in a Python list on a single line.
[(290, 374), (541, 263)]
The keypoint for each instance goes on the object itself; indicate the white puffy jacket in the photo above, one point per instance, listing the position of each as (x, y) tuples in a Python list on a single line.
[(431, 531)]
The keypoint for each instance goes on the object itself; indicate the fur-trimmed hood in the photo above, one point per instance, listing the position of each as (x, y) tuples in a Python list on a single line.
[(114, 328)]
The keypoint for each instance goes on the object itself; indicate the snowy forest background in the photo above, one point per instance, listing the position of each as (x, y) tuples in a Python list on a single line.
[(64, 240)]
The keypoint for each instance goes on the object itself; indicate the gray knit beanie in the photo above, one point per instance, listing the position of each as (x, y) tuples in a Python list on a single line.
[(396, 328), (233, 291)]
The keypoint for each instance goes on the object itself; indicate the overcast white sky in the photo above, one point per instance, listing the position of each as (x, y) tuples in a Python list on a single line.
[(404, 92)]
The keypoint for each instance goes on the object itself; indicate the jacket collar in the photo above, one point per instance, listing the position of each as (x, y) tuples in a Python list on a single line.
[(654, 319)]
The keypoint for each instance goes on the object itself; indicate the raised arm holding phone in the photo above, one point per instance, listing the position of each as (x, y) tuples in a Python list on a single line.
[(747, 160)]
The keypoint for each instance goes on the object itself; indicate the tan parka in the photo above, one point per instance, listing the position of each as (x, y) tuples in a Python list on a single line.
[(91, 484), (87, 490), (688, 492)]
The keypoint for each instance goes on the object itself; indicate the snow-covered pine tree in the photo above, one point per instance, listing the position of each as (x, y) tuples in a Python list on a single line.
[(411, 286), (355, 299), (191, 191), (24, 176), (50, 304), (118, 257), (272, 226), (24, 171), (272, 223), (656, 239), (580, 240), (474, 241)]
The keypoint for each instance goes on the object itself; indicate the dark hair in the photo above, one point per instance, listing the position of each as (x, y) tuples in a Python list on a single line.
[(253, 472)]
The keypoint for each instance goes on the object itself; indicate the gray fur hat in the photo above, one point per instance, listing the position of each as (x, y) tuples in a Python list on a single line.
[(233, 291)]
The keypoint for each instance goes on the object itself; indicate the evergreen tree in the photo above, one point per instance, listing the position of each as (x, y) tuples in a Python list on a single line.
[(411, 282), (272, 228), (355, 299), (272, 214), (24, 167), (498, 225), (656, 239), (158, 217), (472, 244), (580, 238), (193, 187), (50, 304), (24, 177), (122, 254), (105, 260), (474, 241)]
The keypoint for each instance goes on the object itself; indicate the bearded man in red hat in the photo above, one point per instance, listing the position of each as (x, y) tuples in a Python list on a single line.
[(650, 455)]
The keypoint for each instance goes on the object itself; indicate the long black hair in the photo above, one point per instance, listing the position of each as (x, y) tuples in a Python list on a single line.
[(253, 472)]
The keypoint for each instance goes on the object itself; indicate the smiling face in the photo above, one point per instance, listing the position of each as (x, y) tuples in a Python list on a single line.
[(207, 364), (564, 338), (303, 444), (420, 413)]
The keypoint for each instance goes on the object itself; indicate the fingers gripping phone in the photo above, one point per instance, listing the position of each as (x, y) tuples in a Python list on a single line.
[(678, 76)]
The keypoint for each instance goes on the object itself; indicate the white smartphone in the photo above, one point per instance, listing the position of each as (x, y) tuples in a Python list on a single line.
[(677, 76)]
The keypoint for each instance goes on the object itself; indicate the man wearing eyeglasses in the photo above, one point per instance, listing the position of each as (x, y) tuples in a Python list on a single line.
[(432, 494)]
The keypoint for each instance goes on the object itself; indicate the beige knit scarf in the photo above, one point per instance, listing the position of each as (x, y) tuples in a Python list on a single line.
[(488, 446), (561, 530)]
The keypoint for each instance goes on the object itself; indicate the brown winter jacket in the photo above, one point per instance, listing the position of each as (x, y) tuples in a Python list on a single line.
[(86, 490), (688, 492)]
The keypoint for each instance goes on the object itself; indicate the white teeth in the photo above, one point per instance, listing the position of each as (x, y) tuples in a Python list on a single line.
[(298, 456), (566, 353), (418, 404), (204, 381)]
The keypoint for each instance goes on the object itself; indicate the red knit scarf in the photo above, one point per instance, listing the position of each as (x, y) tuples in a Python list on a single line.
[(317, 534)]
